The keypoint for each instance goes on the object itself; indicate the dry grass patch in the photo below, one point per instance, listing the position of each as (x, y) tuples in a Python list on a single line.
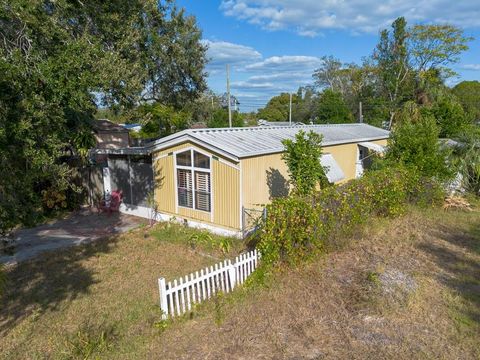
[(404, 288), (99, 299)]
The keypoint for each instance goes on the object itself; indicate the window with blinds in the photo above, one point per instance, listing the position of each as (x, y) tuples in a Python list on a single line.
[(202, 191), (185, 189), (193, 180)]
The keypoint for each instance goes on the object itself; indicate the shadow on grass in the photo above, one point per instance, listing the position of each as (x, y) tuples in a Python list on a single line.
[(41, 285), (459, 259)]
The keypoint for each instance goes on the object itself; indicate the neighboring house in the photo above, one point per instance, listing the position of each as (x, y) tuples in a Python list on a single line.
[(262, 122), (209, 177), (198, 125), (132, 127), (110, 135)]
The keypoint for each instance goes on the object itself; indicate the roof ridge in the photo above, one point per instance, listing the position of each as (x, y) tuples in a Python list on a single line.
[(258, 128)]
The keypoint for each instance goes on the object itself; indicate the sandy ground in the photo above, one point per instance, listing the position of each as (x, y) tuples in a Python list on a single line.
[(77, 228)]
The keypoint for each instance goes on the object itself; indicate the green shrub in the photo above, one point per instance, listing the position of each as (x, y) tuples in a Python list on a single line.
[(414, 143), (302, 157), (297, 228)]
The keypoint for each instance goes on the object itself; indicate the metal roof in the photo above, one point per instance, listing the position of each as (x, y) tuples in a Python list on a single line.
[(105, 125), (122, 151), (237, 143), (374, 147)]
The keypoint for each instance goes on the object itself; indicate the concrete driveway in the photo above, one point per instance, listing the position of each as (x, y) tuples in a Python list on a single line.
[(78, 228)]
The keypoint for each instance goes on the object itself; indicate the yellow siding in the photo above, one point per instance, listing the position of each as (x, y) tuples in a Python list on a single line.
[(225, 189), (263, 178), (194, 214), (164, 184)]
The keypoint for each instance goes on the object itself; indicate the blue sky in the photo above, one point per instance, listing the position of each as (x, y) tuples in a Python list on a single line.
[(274, 45)]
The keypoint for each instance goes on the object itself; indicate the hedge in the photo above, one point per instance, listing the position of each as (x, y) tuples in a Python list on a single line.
[(297, 228)]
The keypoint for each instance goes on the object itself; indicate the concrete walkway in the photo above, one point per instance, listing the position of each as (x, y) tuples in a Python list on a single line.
[(78, 228)]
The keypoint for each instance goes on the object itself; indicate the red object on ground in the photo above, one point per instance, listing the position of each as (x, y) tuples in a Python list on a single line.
[(114, 204)]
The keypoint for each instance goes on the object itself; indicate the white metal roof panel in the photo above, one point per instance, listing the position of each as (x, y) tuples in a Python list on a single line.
[(334, 171), (372, 146), (252, 141)]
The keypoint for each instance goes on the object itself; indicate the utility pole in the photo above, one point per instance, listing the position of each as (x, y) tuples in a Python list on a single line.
[(360, 113), (228, 98), (290, 111)]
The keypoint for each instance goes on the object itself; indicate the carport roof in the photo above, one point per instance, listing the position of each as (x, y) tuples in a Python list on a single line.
[(243, 142)]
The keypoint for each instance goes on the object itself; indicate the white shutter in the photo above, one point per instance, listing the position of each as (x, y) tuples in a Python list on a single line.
[(202, 191), (184, 180)]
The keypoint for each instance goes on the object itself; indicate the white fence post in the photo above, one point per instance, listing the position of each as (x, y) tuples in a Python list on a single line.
[(163, 297), (232, 275)]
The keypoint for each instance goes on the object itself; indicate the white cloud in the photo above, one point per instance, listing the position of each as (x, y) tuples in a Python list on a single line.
[(248, 85), (221, 53), (254, 79), (286, 63), (308, 17), (475, 67)]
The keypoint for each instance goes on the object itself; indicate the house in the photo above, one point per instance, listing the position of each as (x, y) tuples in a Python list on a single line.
[(132, 127), (262, 122), (109, 135), (209, 178)]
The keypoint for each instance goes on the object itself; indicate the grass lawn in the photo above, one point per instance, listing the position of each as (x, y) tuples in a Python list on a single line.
[(101, 298), (404, 288)]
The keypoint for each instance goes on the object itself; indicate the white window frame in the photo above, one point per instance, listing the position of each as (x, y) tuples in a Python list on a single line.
[(193, 169)]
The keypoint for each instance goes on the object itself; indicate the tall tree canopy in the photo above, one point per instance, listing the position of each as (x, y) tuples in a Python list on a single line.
[(277, 108), (58, 59), (332, 109), (409, 63), (468, 93)]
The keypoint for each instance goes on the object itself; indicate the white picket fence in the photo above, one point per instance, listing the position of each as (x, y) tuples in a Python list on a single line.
[(178, 297)]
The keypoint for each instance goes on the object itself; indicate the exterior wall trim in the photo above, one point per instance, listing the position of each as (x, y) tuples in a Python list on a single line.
[(145, 212), (188, 138)]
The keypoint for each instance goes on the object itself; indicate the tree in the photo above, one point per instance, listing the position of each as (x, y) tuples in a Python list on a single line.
[(304, 109), (468, 93), (203, 108), (302, 157), (220, 119), (277, 108), (58, 60), (435, 47), (391, 60), (414, 142), (450, 117), (332, 109), (161, 120), (330, 75)]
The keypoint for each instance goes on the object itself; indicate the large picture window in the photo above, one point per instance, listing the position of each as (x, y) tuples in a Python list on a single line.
[(193, 180)]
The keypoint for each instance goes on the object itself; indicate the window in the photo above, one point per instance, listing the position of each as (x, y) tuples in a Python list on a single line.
[(201, 161), (193, 181), (184, 158), (185, 191), (202, 191)]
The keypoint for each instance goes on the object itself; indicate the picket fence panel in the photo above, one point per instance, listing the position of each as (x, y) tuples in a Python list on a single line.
[(178, 297)]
